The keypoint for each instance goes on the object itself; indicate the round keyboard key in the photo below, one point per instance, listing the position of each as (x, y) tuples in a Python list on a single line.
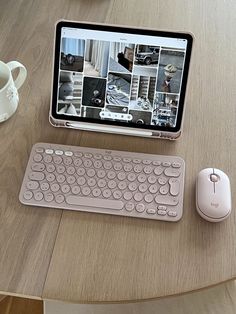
[(97, 164), (176, 165), (48, 197), (61, 178), (101, 174), (143, 187), (117, 194), (88, 155), (138, 197), (107, 165), (111, 174), (57, 160), (127, 167), (71, 179), (106, 193), (112, 184), (128, 196), (121, 176), (147, 170), (152, 179), (50, 168), (50, 177), (153, 189), (164, 189), (55, 187), (47, 159), (70, 170), (65, 188), (28, 195), (148, 198), (122, 185), (102, 183), (162, 180), (86, 191), (44, 186), (116, 158), (75, 189), (81, 180), (117, 166), (138, 168), (91, 173), (38, 167), (132, 186), (59, 198), (158, 171), (140, 208), (38, 196), (81, 171), (87, 163), (32, 185), (142, 178), (61, 169), (129, 206), (77, 162), (91, 182), (96, 192), (67, 161), (37, 157), (131, 177)]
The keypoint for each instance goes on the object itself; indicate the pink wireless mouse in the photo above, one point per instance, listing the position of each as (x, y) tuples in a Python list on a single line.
[(213, 195)]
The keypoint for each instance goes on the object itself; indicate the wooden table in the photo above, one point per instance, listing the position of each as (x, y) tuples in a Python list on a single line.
[(86, 258)]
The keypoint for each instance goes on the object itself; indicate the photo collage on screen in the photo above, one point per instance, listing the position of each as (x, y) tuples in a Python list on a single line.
[(119, 81)]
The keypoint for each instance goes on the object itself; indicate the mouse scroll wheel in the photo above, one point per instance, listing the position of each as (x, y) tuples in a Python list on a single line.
[(214, 177)]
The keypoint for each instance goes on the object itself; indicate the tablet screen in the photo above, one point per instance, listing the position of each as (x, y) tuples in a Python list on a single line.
[(120, 76)]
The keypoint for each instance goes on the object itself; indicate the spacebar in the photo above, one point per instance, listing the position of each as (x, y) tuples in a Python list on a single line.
[(94, 202)]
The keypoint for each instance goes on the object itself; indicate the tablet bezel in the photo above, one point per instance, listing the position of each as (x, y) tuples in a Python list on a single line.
[(120, 29)]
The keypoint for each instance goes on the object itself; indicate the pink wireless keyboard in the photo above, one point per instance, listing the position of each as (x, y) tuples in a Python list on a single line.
[(104, 181)]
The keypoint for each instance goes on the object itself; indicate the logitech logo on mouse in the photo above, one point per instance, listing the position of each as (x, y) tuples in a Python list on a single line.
[(215, 205)]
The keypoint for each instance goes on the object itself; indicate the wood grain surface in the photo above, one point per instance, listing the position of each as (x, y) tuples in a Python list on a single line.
[(101, 258)]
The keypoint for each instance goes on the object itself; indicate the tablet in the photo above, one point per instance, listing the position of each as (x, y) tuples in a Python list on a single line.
[(119, 79)]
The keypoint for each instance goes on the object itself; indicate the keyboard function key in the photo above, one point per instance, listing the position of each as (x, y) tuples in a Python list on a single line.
[(151, 211), (107, 157), (88, 155), (147, 162), (49, 151), (156, 163), (137, 161), (59, 152), (116, 158), (166, 164), (97, 156), (161, 212), (78, 154), (68, 153), (127, 160), (176, 165), (28, 195), (39, 150)]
